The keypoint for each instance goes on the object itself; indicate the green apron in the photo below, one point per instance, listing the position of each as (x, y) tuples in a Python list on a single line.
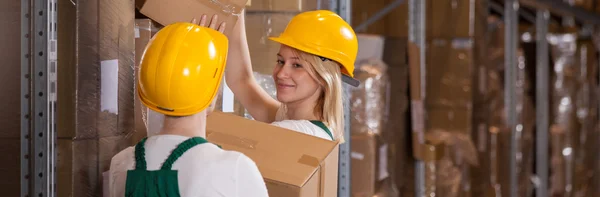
[(157, 183), (322, 125)]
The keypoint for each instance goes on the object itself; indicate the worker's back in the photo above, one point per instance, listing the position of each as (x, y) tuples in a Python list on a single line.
[(203, 170)]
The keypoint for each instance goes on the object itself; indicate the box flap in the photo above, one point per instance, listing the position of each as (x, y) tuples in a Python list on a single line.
[(281, 155), (167, 12)]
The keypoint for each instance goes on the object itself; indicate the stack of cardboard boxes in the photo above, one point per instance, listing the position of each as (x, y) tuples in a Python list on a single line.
[(455, 38), (95, 96)]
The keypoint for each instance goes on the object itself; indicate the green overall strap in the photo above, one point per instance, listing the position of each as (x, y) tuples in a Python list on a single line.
[(182, 148), (322, 126), (140, 155)]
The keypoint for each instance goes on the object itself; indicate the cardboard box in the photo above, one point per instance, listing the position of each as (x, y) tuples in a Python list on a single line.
[(10, 77), (283, 5), (363, 10), (449, 73), (370, 159), (10, 167), (444, 18), (292, 163), (144, 30), (370, 46), (167, 12), (259, 27)]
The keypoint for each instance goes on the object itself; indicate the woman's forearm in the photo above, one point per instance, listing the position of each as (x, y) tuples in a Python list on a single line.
[(239, 66)]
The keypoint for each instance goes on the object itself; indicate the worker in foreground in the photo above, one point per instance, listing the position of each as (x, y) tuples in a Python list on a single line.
[(180, 74), (317, 53)]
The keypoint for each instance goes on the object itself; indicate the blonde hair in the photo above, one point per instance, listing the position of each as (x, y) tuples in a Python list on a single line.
[(329, 107)]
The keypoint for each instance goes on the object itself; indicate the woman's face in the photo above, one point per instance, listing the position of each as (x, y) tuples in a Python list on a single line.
[(294, 82)]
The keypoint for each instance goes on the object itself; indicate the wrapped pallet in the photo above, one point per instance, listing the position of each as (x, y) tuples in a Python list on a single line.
[(574, 108), (371, 155), (10, 79), (95, 108)]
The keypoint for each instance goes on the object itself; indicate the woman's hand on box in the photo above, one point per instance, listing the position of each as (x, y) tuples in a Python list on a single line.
[(212, 24)]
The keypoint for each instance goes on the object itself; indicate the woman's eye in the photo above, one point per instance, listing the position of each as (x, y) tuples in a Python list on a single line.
[(297, 66), (279, 62)]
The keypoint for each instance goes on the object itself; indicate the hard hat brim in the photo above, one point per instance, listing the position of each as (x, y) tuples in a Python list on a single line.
[(345, 77)]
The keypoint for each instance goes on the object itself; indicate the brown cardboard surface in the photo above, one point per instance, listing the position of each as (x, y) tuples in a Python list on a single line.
[(449, 71), (289, 161), (167, 12), (259, 27), (370, 46), (283, 5), (10, 167), (363, 10), (444, 18), (10, 78), (77, 168), (105, 32), (364, 164)]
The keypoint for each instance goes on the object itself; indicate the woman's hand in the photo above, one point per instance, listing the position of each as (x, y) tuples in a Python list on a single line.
[(212, 24)]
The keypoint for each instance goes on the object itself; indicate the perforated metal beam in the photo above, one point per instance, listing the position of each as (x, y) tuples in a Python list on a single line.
[(38, 88), (562, 8)]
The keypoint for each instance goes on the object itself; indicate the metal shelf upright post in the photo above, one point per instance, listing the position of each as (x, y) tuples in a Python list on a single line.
[(511, 20), (542, 102), (416, 38), (344, 9), (38, 89)]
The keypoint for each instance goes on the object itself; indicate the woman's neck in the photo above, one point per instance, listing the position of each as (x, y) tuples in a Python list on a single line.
[(302, 110)]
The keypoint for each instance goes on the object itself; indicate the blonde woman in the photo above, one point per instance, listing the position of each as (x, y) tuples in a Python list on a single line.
[(317, 54)]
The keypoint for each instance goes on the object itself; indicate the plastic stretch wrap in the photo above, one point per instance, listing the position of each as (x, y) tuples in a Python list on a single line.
[(95, 115), (372, 144), (499, 140), (369, 102), (267, 83), (574, 122)]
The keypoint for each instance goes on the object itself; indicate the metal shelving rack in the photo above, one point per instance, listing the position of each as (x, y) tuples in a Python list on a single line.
[(38, 103)]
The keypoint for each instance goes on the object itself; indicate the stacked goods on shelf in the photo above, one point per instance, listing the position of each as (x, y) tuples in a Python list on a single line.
[(455, 39), (372, 143), (574, 115), (95, 114), (497, 140), (10, 78), (394, 55)]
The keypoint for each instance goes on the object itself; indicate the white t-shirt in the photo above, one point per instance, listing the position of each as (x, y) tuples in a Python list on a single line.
[(203, 171), (302, 126)]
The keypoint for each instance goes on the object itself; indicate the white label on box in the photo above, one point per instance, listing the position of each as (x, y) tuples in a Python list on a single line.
[(137, 32), (357, 155), (228, 99), (109, 86), (383, 162)]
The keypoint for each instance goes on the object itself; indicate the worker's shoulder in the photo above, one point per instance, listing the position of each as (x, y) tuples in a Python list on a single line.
[(211, 152)]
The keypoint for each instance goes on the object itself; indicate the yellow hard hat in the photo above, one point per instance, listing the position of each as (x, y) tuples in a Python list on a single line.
[(182, 68), (325, 34)]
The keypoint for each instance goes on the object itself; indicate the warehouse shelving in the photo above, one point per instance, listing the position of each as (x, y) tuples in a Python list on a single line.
[(38, 86)]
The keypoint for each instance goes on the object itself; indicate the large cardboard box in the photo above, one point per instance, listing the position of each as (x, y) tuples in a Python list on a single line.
[(450, 67), (167, 12), (283, 5), (370, 164), (292, 163), (10, 77)]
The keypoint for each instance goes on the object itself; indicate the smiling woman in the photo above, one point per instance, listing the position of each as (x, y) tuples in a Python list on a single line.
[(318, 50)]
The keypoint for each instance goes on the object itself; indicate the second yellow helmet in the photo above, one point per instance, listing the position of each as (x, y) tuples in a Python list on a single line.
[(181, 69)]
